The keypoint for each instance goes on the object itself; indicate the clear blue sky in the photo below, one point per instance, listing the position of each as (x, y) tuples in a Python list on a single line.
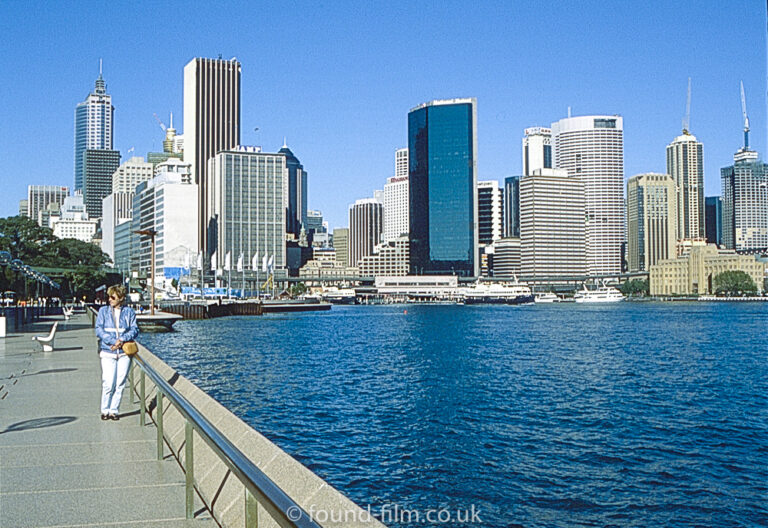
[(338, 78)]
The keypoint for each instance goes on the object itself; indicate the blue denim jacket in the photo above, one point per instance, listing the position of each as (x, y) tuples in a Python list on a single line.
[(105, 327)]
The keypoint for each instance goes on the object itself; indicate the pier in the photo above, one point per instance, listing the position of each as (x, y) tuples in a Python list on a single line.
[(175, 458)]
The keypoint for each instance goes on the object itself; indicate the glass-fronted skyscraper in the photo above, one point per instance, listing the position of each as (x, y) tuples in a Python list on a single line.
[(296, 213), (512, 206), (442, 195), (745, 203), (93, 127), (713, 216)]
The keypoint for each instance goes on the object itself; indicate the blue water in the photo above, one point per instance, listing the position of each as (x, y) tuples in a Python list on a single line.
[(627, 415)]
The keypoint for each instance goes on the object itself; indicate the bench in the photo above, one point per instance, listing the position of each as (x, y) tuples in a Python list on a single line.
[(68, 312), (47, 341)]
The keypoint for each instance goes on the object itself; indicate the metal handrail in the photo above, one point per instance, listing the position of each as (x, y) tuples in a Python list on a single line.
[(272, 498)]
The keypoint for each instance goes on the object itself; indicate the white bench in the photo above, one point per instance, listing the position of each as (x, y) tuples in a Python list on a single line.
[(68, 312), (47, 341)]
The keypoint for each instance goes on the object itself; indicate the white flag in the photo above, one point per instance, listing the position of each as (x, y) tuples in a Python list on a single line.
[(255, 262), (271, 263), (185, 264), (228, 261), (240, 263), (264, 263), (200, 261), (213, 261)]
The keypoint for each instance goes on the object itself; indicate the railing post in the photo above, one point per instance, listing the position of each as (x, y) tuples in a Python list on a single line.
[(251, 510), (142, 396), (189, 469), (159, 424), (132, 384)]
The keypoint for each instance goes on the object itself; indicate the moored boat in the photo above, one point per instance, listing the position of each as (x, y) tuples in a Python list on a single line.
[(602, 294)]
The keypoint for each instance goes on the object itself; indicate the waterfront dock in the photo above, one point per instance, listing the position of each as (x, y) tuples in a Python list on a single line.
[(176, 458)]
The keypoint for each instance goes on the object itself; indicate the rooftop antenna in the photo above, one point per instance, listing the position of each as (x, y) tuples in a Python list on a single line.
[(569, 111), (746, 119), (162, 125), (687, 118), (285, 143), (171, 120), (100, 67)]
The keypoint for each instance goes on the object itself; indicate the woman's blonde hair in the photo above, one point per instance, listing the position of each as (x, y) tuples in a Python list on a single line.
[(118, 290)]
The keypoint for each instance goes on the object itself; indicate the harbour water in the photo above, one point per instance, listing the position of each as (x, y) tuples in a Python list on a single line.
[(628, 414)]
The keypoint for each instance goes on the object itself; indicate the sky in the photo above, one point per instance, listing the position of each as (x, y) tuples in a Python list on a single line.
[(336, 80)]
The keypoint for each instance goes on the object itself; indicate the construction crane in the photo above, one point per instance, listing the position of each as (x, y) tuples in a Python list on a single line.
[(159, 122), (746, 119), (687, 118)]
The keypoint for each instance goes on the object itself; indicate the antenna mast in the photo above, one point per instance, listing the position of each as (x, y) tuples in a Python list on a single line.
[(687, 118), (746, 119)]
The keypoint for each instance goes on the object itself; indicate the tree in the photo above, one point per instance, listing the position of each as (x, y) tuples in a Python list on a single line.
[(297, 289), (635, 287), (733, 282)]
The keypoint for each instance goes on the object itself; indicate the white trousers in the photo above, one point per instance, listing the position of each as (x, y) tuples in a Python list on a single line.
[(114, 373)]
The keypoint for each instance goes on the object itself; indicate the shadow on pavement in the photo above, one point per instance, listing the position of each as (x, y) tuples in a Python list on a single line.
[(38, 423)]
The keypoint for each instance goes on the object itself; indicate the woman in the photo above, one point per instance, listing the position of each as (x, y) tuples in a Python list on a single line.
[(115, 325)]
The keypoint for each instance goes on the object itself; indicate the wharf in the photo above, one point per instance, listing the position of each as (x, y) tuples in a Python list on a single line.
[(61, 465)]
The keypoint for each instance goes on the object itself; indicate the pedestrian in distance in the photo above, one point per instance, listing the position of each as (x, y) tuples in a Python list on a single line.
[(115, 325)]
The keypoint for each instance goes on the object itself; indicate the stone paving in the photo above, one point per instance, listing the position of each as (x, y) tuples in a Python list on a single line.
[(60, 464)]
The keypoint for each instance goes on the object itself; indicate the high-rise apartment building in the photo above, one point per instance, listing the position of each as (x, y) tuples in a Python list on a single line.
[(401, 163), (39, 197), (442, 159), (211, 123), (130, 173), (713, 217), (552, 224), (591, 149), (366, 219), (296, 215), (489, 212), (685, 163), (395, 208), (93, 127), (246, 205), (537, 149), (98, 167), (745, 203), (652, 220), (512, 207), (341, 245)]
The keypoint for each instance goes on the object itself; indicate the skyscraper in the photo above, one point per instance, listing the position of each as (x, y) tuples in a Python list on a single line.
[(296, 213), (98, 167), (713, 216), (685, 163), (130, 173), (341, 245), (93, 127), (442, 160), (512, 206), (591, 148), (651, 219), (489, 212), (537, 149), (365, 223), (745, 203), (39, 197), (401, 163), (211, 122), (395, 208)]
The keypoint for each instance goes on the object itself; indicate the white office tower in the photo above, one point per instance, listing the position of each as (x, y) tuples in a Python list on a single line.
[(73, 221), (116, 208), (39, 197), (401, 163), (395, 207), (651, 220), (93, 126), (506, 258), (552, 226), (211, 121), (247, 200), (591, 149), (537, 149), (685, 163), (131, 173), (489, 212), (365, 223)]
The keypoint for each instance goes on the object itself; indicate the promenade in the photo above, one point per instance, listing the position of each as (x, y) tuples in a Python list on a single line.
[(60, 464)]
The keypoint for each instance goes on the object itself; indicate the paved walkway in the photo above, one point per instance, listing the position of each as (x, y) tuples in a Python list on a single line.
[(60, 464)]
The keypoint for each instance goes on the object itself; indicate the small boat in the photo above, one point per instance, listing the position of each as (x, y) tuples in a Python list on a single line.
[(602, 294), (547, 297)]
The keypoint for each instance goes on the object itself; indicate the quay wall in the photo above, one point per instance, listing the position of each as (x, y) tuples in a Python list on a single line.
[(221, 491)]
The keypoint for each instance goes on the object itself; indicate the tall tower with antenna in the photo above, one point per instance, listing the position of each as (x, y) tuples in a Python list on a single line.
[(744, 153), (685, 163)]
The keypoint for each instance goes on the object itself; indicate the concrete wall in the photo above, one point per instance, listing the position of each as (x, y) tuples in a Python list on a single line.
[(220, 490)]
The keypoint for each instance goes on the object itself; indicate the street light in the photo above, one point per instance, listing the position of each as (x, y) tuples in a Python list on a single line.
[(151, 234)]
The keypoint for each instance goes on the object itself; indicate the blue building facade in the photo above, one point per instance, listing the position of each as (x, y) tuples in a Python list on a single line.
[(713, 214), (442, 151), (512, 206), (296, 213)]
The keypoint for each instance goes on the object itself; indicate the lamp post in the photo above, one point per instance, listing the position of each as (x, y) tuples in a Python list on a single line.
[(151, 234)]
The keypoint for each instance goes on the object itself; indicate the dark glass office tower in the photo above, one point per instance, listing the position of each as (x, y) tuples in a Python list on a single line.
[(713, 216), (512, 206), (296, 213), (442, 167)]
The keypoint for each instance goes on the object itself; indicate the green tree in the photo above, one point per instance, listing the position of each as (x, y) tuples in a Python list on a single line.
[(733, 282), (635, 287), (297, 289)]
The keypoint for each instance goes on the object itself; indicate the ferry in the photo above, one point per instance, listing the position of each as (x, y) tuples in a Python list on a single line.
[(547, 297), (602, 294), (496, 293), (339, 295)]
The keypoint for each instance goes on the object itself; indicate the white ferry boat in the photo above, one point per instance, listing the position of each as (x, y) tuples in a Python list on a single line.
[(339, 295), (547, 297), (602, 294), (496, 293)]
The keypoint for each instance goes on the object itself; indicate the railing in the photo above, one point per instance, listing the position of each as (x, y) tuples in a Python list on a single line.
[(259, 488)]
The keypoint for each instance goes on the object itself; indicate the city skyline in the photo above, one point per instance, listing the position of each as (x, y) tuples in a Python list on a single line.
[(355, 86)]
